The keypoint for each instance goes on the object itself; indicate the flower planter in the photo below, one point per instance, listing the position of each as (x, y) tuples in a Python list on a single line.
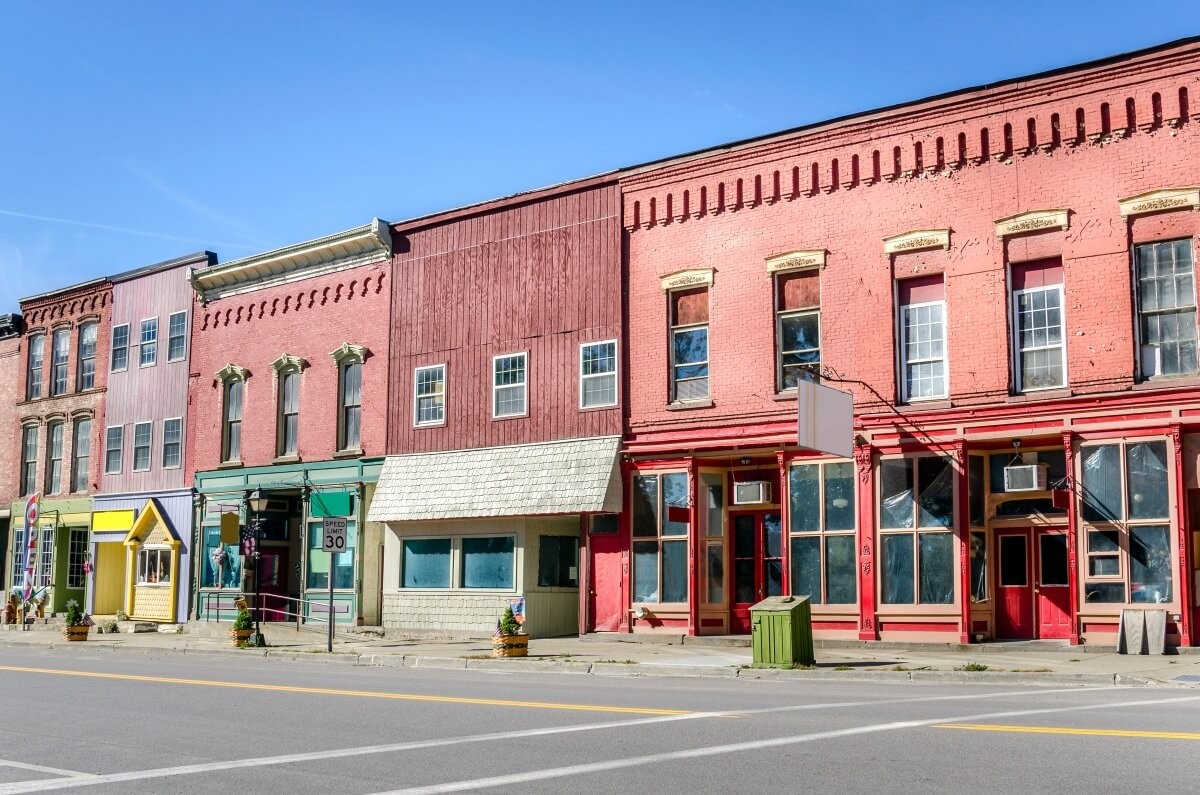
[(238, 637), (79, 632), (510, 645)]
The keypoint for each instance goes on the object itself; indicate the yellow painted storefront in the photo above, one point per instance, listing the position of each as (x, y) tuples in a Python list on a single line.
[(152, 566)]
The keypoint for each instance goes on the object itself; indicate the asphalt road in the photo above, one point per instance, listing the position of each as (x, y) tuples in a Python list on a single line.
[(93, 722)]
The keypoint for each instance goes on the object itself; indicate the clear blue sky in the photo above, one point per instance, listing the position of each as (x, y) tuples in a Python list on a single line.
[(135, 132)]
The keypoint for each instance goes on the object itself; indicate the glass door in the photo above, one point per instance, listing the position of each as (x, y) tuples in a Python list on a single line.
[(757, 562)]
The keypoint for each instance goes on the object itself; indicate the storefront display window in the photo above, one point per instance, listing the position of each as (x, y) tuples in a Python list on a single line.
[(660, 567), (822, 527), (917, 494)]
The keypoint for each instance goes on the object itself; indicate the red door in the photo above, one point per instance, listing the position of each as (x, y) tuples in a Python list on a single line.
[(757, 563), (1014, 587), (604, 600), (274, 586), (1051, 591)]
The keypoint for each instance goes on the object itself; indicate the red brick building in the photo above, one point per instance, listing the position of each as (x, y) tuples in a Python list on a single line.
[(1004, 278), (10, 429)]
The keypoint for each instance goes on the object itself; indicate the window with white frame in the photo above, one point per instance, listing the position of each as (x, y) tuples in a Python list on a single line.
[(60, 351), (54, 456), (45, 568), (231, 425), (81, 448), (33, 369), (1126, 510), (916, 539), (1039, 348), (350, 405), (822, 526), (119, 359), (76, 557), (114, 444), (148, 343), (1166, 306), (154, 566), (172, 451), (660, 544), (177, 337), (467, 562), (17, 571), (142, 437), (797, 327), (429, 395), (509, 385), (85, 368), (689, 344), (29, 444), (598, 374), (922, 338), (288, 437)]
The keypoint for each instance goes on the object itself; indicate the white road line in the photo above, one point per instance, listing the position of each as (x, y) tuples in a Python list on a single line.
[(753, 745), (84, 780), (57, 771)]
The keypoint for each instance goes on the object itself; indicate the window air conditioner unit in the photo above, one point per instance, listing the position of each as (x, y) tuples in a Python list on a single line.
[(752, 492), (1025, 477)]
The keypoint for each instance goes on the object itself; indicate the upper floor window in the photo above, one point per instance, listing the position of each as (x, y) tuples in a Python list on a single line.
[(33, 374), (349, 360), (598, 374), (142, 433), (81, 448), (1039, 348), (689, 344), (172, 451), (60, 350), (120, 348), (148, 343), (231, 425), (916, 520), (29, 444), (114, 447), (798, 327), (430, 395), (509, 385), (1166, 306), (289, 412), (922, 338), (177, 337), (86, 367), (54, 455)]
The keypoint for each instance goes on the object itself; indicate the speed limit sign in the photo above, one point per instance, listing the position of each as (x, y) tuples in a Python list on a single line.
[(333, 535)]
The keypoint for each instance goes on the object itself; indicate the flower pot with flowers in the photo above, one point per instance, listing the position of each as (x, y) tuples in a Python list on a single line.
[(76, 623), (508, 640), (243, 628)]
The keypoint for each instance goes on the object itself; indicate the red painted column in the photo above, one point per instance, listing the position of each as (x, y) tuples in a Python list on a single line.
[(867, 627), (694, 551), (1184, 573), (1068, 440), (625, 528), (785, 518), (962, 521)]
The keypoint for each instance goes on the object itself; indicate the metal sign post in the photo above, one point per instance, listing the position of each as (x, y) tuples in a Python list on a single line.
[(333, 541)]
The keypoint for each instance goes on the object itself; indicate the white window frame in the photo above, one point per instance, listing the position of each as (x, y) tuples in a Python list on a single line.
[(227, 456), (780, 316), (170, 337), (903, 361), (524, 385), (343, 365), (81, 360), (165, 465), (54, 482), (1138, 314), (281, 413), (417, 423), (1015, 341), (159, 552), (76, 443), (142, 343), (149, 447), (55, 335), (45, 559), (120, 448), (615, 374), (113, 348), (28, 481)]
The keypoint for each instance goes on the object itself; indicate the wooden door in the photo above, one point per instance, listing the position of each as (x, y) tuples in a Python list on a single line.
[(758, 569), (1052, 594), (1014, 585), (274, 585), (108, 583), (609, 565)]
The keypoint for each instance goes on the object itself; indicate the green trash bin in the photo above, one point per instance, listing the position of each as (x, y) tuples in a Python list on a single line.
[(782, 632)]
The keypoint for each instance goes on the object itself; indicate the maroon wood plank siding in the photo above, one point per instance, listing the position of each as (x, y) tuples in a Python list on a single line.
[(540, 276)]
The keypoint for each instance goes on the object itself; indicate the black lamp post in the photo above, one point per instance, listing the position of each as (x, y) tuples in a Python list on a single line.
[(257, 503)]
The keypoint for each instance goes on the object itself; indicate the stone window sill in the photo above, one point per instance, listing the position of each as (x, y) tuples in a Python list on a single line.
[(689, 404)]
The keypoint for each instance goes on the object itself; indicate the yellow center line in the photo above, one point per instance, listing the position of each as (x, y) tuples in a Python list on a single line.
[(324, 691), (989, 727)]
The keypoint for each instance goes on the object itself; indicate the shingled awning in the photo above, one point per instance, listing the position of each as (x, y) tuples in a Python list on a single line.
[(570, 476)]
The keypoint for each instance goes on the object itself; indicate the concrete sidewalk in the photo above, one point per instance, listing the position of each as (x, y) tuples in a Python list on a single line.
[(1043, 662)]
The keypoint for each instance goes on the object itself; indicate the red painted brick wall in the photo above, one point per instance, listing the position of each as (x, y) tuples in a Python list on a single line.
[(308, 318), (11, 352), (724, 211)]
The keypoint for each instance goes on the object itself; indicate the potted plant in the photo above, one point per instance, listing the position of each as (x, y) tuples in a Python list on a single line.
[(508, 640), (75, 622), (243, 627)]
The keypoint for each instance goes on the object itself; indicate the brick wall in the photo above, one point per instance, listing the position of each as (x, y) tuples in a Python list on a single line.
[(11, 351)]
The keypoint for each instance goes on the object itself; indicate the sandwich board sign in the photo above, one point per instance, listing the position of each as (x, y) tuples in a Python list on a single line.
[(826, 421)]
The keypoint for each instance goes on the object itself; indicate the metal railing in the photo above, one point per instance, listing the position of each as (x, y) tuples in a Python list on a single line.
[(304, 615)]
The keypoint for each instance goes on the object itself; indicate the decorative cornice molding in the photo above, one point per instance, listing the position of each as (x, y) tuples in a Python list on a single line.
[(288, 362), (696, 277), (232, 372), (1032, 221), (349, 351), (796, 260), (917, 240), (1158, 200)]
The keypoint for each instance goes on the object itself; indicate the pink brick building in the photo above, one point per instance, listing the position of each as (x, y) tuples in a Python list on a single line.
[(11, 326), (1004, 278)]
